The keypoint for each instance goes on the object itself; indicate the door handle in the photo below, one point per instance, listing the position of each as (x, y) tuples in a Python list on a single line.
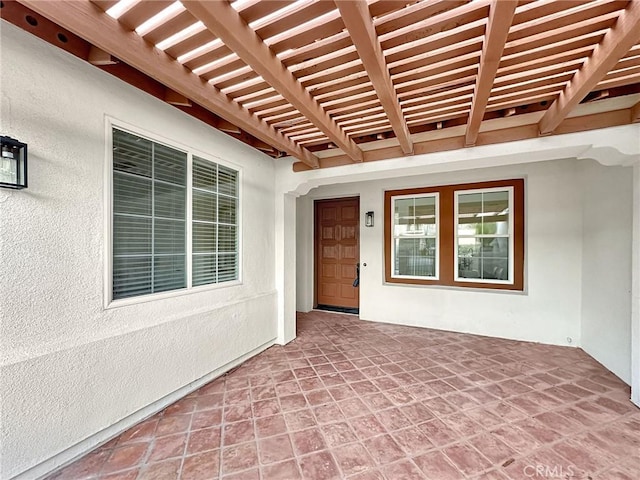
[(356, 282)]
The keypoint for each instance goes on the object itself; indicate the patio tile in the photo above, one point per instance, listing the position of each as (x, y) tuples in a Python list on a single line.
[(124, 457), (203, 466), (319, 466), (308, 441), (363, 401)]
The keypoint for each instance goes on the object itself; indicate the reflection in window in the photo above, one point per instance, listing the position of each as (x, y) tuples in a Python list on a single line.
[(484, 234), (415, 230)]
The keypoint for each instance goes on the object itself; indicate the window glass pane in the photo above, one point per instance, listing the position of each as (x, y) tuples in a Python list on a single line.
[(170, 165), (131, 235), (424, 211), (169, 236), (204, 206), (483, 235), (404, 217), (131, 276), (470, 214), (495, 215), (227, 267), (204, 174), (226, 210), (204, 269), (227, 181), (131, 153), (131, 194), (414, 220), (204, 238), (415, 256), (214, 202), (485, 258), (227, 239), (169, 273), (169, 201)]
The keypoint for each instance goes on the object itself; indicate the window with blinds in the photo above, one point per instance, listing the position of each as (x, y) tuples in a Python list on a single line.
[(151, 215), (215, 235)]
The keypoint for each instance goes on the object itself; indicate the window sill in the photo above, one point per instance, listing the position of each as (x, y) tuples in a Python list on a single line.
[(459, 288), (152, 297)]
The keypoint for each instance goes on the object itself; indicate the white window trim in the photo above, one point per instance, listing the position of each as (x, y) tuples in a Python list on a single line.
[(456, 194), (109, 302), (435, 195)]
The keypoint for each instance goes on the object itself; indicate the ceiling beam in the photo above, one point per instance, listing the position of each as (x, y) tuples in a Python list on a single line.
[(616, 43), (490, 137), (225, 23), (360, 26), (500, 18), (89, 22)]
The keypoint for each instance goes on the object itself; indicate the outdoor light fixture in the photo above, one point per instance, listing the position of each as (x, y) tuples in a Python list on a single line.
[(368, 219), (13, 163)]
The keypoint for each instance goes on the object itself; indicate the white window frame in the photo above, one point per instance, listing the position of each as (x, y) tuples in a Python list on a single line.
[(435, 195), (456, 195), (109, 302)]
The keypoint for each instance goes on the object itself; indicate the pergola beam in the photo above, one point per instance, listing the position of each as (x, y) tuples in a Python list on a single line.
[(501, 14), (225, 23), (635, 113), (89, 22), (616, 43), (363, 34)]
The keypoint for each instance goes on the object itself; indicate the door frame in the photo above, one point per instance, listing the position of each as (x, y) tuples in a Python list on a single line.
[(316, 243)]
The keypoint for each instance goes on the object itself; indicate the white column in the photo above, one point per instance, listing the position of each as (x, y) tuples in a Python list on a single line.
[(286, 266), (635, 290), (304, 254)]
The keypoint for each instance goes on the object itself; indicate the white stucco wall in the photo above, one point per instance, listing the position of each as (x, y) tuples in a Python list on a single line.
[(549, 310), (69, 368), (606, 266), (635, 289)]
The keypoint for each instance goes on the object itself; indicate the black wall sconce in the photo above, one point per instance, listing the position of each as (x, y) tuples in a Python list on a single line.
[(368, 219), (13, 163)]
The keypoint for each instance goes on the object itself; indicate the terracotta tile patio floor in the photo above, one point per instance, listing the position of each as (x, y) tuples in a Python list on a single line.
[(360, 400)]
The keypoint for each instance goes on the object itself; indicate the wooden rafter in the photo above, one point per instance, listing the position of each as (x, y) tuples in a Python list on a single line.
[(523, 132), (87, 21), (500, 18), (223, 20), (635, 113), (99, 57), (360, 26), (615, 44), (454, 67)]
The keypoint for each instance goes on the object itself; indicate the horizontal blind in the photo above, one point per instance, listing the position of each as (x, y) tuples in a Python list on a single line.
[(149, 214), (215, 223)]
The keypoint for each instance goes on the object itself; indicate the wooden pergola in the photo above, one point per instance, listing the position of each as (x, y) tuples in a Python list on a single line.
[(332, 82)]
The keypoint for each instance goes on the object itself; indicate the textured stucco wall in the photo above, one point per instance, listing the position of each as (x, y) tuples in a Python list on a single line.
[(578, 256), (549, 310), (635, 289), (70, 368), (606, 266)]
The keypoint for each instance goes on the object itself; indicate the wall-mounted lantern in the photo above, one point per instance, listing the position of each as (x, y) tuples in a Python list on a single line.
[(368, 219), (13, 163)]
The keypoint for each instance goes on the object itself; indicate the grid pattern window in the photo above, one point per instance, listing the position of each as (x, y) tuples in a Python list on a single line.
[(484, 235), (415, 236), (215, 223), (468, 235), (151, 219)]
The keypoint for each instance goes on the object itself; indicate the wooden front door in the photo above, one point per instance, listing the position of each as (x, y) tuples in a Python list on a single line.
[(337, 247)]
